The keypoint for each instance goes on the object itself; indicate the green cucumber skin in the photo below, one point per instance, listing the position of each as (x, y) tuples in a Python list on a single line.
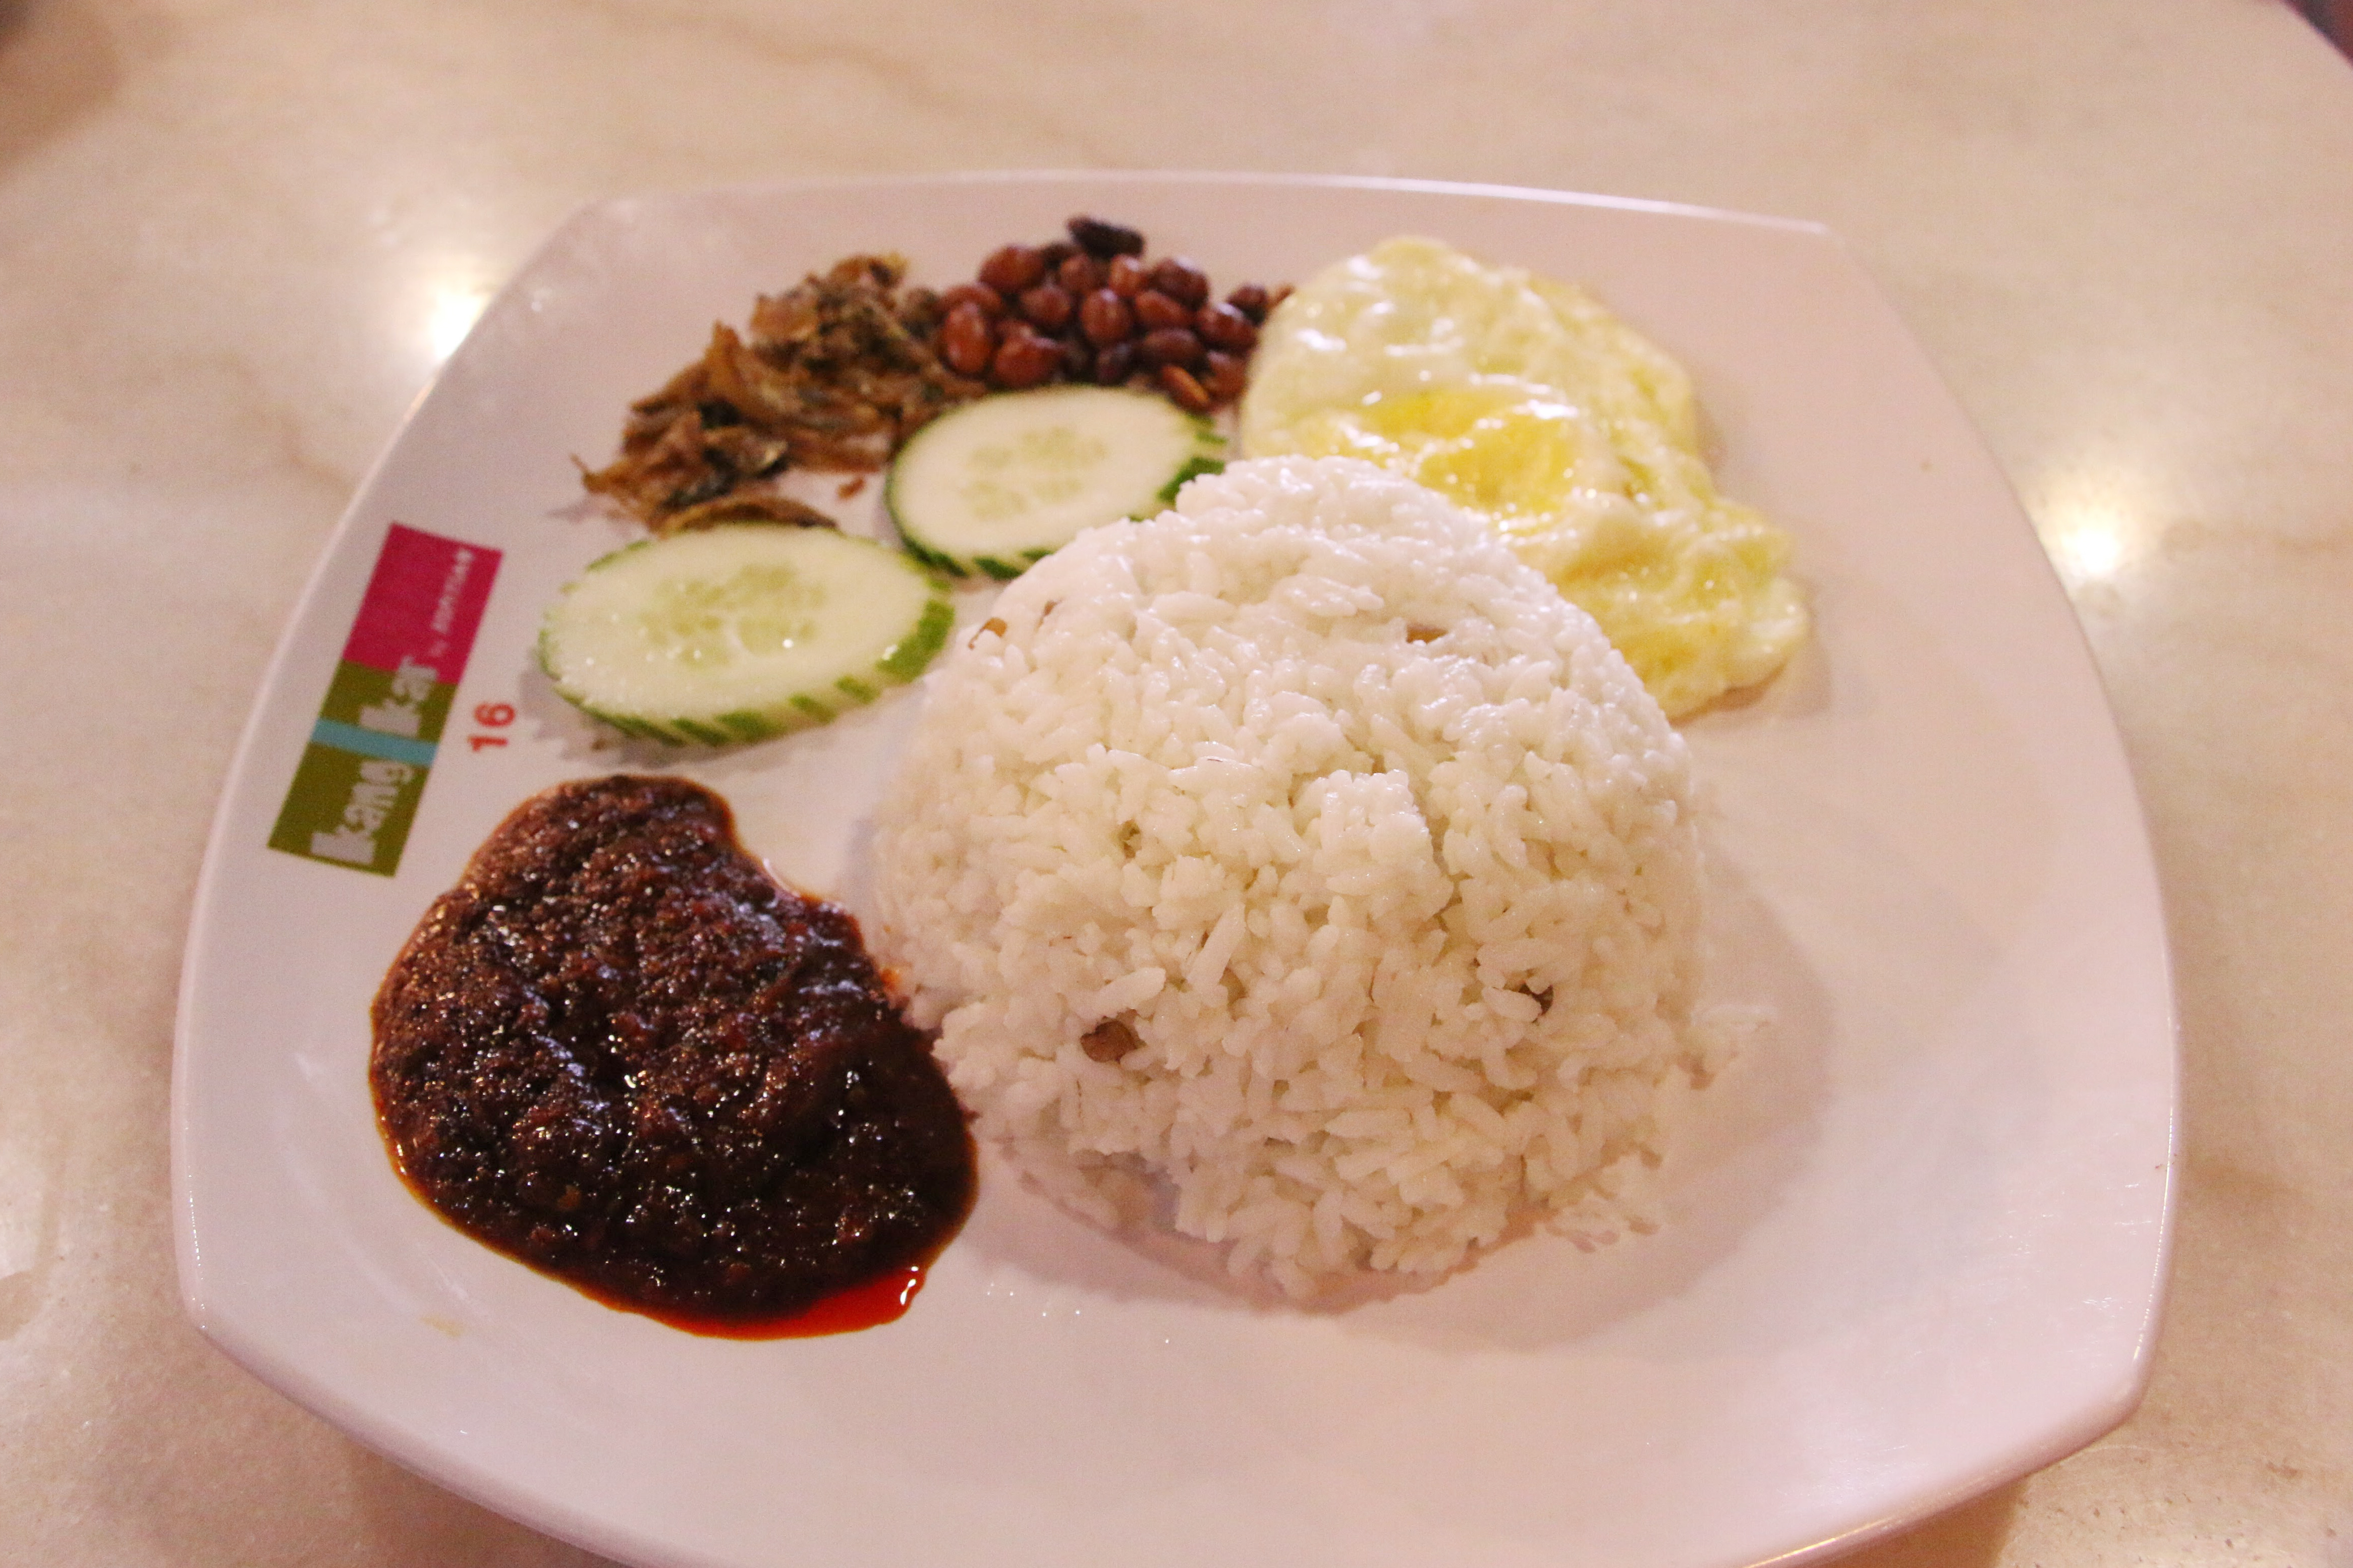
[(695, 730), (900, 665), (1194, 468), (1207, 458), (732, 728), (741, 728), (979, 566), (929, 557), (907, 660)]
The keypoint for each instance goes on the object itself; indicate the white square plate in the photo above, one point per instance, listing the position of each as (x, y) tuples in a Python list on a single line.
[(1914, 1241)]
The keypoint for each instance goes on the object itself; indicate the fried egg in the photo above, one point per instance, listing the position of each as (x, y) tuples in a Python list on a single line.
[(1527, 402)]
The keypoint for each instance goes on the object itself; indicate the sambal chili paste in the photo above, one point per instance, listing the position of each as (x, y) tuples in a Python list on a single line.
[(619, 1051)]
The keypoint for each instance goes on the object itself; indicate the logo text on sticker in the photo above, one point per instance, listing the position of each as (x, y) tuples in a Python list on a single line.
[(356, 790)]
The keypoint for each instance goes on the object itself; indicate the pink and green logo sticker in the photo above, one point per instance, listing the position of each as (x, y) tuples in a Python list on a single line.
[(355, 790)]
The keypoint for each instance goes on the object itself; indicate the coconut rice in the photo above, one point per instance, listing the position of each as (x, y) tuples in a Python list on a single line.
[(1303, 850)]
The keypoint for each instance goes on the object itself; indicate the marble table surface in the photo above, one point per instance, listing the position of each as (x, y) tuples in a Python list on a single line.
[(237, 236)]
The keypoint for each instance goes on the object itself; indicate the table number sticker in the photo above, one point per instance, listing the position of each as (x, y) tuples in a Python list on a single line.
[(356, 790)]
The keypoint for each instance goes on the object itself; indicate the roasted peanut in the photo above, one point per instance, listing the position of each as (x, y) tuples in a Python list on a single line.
[(1099, 239), (1223, 327), (1126, 277), (1092, 309), (1183, 390), (1180, 280), (1011, 268), (991, 302), (1047, 306), (1114, 362), (1226, 375), (1025, 359), (966, 339), (1105, 319), (1250, 300), (1156, 310), (1172, 345)]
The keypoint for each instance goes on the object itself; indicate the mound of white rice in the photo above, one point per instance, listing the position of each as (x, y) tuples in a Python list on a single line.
[(1305, 850)]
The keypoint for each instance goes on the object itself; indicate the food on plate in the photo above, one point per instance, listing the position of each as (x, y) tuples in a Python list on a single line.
[(1092, 308), (1303, 850), (839, 371), (835, 372), (740, 631), (620, 1052), (1529, 403), (1005, 481)]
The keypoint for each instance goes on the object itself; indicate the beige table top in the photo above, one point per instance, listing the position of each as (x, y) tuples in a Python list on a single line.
[(228, 234)]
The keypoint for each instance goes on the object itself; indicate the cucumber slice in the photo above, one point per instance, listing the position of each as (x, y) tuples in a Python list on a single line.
[(995, 485), (741, 631)]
